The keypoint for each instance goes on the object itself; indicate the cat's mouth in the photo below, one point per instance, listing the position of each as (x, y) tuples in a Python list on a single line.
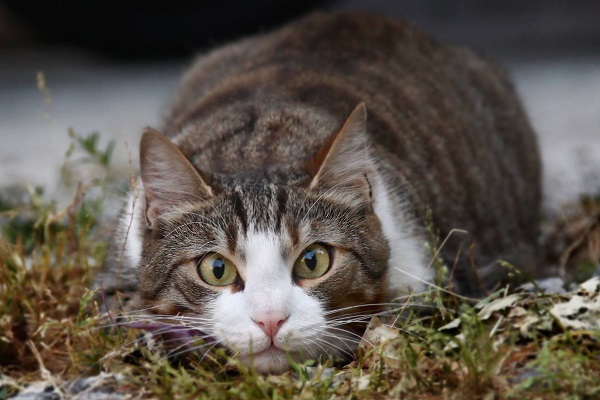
[(272, 349), (273, 359)]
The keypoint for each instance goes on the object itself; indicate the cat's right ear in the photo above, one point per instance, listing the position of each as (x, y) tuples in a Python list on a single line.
[(343, 166), (169, 178)]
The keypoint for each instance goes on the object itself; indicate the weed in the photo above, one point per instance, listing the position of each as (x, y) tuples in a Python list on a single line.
[(51, 330)]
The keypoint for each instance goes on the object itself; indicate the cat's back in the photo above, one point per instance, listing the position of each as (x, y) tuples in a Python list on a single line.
[(301, 80), (447, 128)]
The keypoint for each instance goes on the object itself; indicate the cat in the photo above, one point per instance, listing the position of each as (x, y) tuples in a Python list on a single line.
[(286, 198)]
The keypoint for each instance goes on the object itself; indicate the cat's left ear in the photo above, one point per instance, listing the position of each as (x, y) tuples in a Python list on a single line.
[(343, 165), (169, 178)]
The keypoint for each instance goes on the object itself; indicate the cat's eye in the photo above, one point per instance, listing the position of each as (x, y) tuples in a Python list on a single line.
[(216, 270), (313, 262)]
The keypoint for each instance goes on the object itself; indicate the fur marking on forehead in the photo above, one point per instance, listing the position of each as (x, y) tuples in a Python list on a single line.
[(263, 206)]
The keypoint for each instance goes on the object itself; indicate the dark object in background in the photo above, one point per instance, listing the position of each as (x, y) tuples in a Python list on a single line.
[(151, 28)]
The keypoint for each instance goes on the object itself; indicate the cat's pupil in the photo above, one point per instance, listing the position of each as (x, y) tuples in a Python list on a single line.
[(218, 268), (310, 259)]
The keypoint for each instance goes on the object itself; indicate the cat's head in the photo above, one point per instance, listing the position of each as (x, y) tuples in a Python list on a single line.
[(272, 263)]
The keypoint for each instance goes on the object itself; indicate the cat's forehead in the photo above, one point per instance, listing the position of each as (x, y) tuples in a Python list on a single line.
[(252, 181), (261, 199)]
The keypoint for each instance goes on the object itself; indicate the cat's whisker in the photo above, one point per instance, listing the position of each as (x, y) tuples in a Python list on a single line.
[(366, 322), (128, 323), (177, 351), (162, 329), (139, 314), (337, 310), (436, 287), (163, 317), (398, 307), (204, 336), (122, 313), (329, 344), (349, 342), (363, 321), (124, 324), (345, 331), (409, 297), (215, 344), (155, 334), (433, 258), (309, 350), (194, 321), (117, 350), (359, 314), (362, 316), (174, 353)]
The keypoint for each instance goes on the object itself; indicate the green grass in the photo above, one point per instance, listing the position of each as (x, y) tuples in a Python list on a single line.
[(51, 328)]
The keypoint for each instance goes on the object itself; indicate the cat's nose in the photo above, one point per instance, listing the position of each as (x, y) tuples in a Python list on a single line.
[(270, 321)]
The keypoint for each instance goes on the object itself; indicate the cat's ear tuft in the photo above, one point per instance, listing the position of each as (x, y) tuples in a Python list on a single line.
[(169, 178), (343, 165)]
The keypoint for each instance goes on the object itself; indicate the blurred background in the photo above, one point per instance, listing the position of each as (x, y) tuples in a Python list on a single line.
[(111, 66)]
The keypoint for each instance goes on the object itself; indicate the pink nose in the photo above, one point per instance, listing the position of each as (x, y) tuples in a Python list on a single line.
[(270, 321)]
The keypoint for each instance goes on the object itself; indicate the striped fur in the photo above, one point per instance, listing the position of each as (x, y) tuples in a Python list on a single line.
[(276, 164)]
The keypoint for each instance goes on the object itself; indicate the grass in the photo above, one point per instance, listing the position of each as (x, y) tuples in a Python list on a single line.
[(52, 330)]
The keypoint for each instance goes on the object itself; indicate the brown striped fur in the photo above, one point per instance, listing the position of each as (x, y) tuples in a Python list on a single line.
[(447, 126), (264, 124)]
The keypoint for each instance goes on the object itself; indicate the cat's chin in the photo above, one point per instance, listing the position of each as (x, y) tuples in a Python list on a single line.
[(269, 361)]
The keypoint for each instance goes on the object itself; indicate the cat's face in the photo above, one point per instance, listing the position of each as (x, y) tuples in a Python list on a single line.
[(272, 264), (265, 267)]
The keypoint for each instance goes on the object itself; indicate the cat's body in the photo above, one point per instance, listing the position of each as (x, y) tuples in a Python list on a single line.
[(283, 168)]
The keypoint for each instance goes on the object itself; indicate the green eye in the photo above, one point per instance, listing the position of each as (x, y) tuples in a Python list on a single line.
[(216, 270), (313, 262)]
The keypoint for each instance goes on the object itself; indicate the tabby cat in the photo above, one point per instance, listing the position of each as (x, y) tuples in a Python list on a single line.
[(287, 200)]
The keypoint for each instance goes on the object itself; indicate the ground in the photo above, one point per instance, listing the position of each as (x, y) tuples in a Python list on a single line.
[(56, 342)]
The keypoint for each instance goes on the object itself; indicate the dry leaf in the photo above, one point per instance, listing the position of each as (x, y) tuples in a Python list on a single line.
[(582, 311), (499, 305)]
